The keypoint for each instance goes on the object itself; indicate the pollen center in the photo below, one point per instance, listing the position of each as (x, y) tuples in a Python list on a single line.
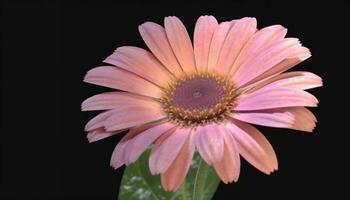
[(198, 93), (198, 99)]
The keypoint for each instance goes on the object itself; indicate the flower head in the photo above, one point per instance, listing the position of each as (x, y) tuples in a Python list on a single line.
[(181, 98)]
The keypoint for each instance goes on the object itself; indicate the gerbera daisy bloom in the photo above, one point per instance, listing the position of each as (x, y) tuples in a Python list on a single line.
[(181, 98)]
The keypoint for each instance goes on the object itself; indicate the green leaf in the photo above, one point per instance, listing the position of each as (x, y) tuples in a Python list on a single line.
[(138, 183)]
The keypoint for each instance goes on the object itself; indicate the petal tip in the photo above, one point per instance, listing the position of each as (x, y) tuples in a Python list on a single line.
[(115, 165), (90, 139)]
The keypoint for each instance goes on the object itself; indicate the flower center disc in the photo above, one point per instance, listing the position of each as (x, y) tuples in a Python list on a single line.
[(198, 93), (198, 99)]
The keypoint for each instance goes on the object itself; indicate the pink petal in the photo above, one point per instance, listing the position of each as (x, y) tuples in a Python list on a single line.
[(203, 34), (253, 146), (130, 116), (98, 121), (295, 57), (259, 42), (120, 79), (238, 35), (137, 145), (298, 118), (180, 42), (162, 157), (210, 143), (217, 43), (292, 80), (101, 119), (112, 100), (152, 162), (296, 80), (176, 173), (140, 62), (275, 98), (266, 59), (100, 133), (155, 37), (117, 158), (228, 168)]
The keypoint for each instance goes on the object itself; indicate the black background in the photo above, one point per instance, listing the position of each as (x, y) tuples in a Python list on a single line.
[(47, 47)]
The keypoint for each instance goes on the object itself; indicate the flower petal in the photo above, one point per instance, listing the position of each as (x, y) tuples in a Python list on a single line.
[(210, 143), (153, 108), (152, 162), (180, 42), (100, 133), (296, 56), (217, 42), (139, 143), (253, 146), (228, 168), (117, 158), (297, 80), (275, 98), (98, 121), (298, 118), (140, 62), (155, 37), (236, 38), (162, 157), (117, 78), (203, 34), (259, 42), (112, 100), (266, 59), (176, 173), (130, 116)]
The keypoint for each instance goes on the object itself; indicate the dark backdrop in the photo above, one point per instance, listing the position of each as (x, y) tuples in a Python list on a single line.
[(47, 47)]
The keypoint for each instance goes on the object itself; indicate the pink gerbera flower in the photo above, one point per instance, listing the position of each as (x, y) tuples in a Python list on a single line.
[(181, 98)]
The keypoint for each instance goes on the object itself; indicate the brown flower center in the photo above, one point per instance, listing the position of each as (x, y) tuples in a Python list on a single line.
[(198, 99)]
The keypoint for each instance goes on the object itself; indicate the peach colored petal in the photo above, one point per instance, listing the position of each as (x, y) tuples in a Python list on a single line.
[(236, 38), (261, 40), (176, 173), (98, 120), (203, 34), (152, 162), (112, 100), (228, 168), (165, 154), (266, 118), (295, 57), (130, 116), (266, 59), (297, 80), (275, 98), (155, 37), (137, 145), (117, 158), (180, 42), (100, 133), (117, 78), (140, 62), (253, 146), (216, 44), (298, 118), (210, 143)]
